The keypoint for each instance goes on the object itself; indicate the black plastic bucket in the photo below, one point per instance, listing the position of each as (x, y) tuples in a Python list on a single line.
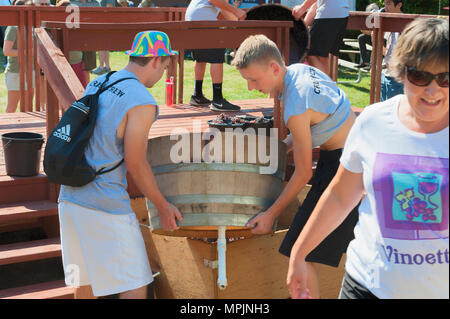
[(299, 34), (22, 152)]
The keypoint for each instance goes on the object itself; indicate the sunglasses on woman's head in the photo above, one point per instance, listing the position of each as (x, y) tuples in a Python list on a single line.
[(423, 78)]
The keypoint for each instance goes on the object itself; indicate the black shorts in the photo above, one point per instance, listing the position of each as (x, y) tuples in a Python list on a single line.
[(331, 249), (209, 55), (326, 36), (351, 289), (90, 60)]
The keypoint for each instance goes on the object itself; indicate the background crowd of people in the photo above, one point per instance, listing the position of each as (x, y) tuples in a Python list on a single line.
[(380, 189), (321, 17)]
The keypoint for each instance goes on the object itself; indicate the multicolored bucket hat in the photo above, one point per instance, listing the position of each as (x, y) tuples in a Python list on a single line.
[(151, 44)]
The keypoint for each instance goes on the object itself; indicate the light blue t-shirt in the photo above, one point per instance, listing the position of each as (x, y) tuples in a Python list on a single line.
[(305, 87), (332, 9), (108, 192), (200, 10)]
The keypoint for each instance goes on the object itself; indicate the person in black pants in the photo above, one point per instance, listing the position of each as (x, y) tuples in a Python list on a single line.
[(363, 41), (365, 38)]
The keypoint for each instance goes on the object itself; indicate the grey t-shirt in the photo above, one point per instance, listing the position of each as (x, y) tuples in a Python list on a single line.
[(199, 10), (305, 87), (328, 9), (13, 61), (108, 192)]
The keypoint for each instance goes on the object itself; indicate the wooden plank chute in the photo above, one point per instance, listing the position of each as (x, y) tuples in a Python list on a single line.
[(58, 71)]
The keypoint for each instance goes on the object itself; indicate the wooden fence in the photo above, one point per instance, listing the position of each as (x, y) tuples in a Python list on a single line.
[(29, 17), (101, 36)]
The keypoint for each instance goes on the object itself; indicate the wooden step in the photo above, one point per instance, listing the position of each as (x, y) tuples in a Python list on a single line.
[(46, 290), (31, 250), (20, 189), (27, 210)]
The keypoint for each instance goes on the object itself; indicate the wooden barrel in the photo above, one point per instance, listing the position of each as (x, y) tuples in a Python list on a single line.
[(222, 181)]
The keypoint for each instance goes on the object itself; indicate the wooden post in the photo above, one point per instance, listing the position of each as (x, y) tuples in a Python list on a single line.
[(286, 55), (374, 63), (277, 115), (333, 66), (37, 70), (181, 76), (21, 49), (379, 69), (52, 110), (29, 60), (172, 72)]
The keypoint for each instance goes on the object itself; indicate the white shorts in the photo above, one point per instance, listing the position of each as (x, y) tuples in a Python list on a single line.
[(103, 250), (12, 81)]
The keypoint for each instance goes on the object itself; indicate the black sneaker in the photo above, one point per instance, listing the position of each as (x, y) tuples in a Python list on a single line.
[(224, 106), (199, 101), (362, 65)]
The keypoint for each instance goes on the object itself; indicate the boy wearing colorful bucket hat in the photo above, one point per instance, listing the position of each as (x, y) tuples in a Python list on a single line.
[(100, 235), (199, 10)]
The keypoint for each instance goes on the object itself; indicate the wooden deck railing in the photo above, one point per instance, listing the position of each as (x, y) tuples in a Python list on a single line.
[(379, 23), (63, 87), (29, 17), (184, 35)]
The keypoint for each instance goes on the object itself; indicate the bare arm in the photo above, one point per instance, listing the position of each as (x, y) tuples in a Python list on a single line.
[(299, 126), (288, 142), (138, 123), (309, 18), (8, 48), (340, 197), (228, 11), (300, 10)]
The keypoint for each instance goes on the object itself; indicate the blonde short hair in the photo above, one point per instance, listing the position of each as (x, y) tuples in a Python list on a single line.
[(424, 42), (257, 48)]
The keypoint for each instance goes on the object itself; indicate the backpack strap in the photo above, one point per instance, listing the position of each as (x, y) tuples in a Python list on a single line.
[(106, 80), (103, 170), (101, 90)]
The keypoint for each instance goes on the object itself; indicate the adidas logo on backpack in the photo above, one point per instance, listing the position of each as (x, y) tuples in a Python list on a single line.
[(63, 133), (65, 163)]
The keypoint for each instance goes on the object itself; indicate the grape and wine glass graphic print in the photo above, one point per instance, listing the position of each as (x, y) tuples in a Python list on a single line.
[(412, 198)]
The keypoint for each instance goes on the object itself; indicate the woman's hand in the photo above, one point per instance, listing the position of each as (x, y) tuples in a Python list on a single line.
[(297, 278)]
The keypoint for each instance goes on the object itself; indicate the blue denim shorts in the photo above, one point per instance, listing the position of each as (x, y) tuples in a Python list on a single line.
[(389, 87)]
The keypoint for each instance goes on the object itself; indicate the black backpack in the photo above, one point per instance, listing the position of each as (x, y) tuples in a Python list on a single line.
[(64, 159)]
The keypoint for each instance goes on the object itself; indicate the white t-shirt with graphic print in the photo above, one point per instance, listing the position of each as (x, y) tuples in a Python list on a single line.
[(401, 241)]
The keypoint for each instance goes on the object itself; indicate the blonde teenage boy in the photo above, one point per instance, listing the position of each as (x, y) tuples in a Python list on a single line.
[(318, 114)]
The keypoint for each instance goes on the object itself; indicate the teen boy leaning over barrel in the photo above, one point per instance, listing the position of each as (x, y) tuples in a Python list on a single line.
[(100, 235), (317, 113)]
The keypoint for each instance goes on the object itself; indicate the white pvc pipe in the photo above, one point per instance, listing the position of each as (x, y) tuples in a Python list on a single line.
[(221, 252)]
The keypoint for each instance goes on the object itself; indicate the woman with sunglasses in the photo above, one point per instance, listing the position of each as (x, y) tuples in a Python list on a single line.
[(397, 153)]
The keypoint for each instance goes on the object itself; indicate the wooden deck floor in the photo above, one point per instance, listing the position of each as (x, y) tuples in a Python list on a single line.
[(169, 118)]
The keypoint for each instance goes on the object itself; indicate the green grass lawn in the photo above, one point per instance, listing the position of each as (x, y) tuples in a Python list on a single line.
[(234, 88)]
